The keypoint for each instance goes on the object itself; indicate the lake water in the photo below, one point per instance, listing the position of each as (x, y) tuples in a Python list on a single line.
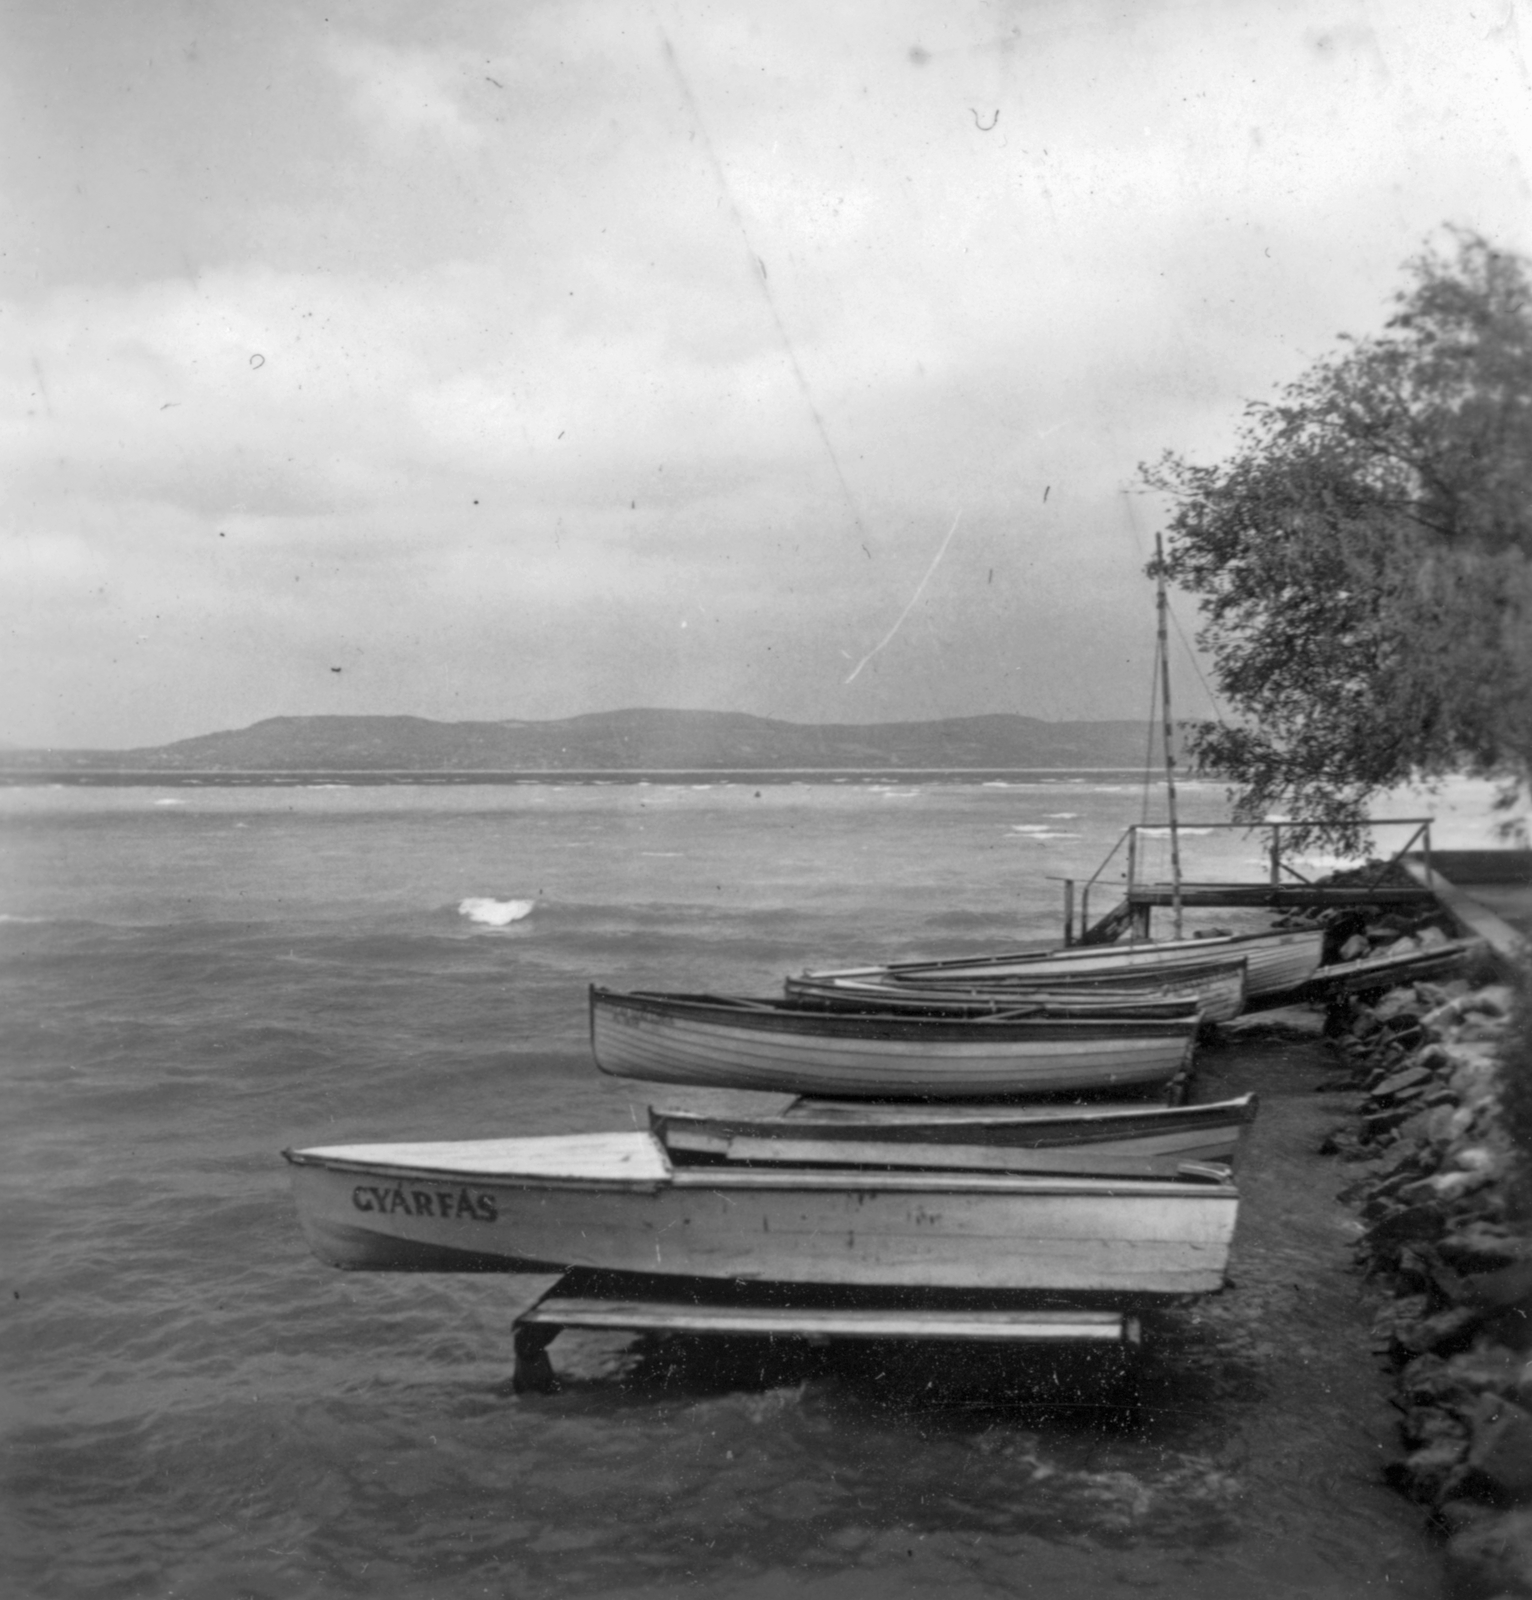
[(194, 979)]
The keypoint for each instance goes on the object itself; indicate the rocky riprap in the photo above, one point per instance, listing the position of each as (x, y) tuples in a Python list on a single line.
[(1444, 1206)]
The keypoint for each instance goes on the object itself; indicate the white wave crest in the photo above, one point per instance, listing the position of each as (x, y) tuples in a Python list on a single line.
[(495, 913)]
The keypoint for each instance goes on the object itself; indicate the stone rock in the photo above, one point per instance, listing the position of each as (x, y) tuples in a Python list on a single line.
[(1476, 1081), (1481, 1247), (1456, 1516), (1430, 935), (1479, 1158), (1377, 1123), (1400, 1316), (1428, 1473), (1502, 1446), (1483, 1026), (1493, 1000), (1447, 988), (1282, 1022), (1345, 1143), (1493, 1558), (1480, 1054), (1497, 999), (1407, 1159), (1402, 998), (1483, 1368), (1459, 1382), (1452, 1186), (1408, 1224), (1445, 1333), (1396, 1083), (1507, 1287), (1364, 1023), (1449, 1122)]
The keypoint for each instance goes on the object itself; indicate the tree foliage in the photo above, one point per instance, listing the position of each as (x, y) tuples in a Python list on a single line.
[(1364, 557)]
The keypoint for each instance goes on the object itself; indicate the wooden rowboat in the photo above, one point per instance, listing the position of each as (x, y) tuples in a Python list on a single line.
[(1216, 990), (1385, 970), (615, 1203), (1134, 1139), (1275, 961), (718, 1042)]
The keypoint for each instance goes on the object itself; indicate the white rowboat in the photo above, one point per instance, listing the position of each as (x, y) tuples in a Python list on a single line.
[(1275, 961), (1136, 1139), (1216, 990)]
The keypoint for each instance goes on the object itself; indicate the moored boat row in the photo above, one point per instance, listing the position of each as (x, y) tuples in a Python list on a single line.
[(922, 1151), (1275, 961)]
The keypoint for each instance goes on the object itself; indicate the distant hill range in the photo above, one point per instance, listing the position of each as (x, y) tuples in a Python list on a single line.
[(606, 741)]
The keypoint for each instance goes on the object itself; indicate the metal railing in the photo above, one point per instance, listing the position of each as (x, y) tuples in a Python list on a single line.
[(1276, 865)]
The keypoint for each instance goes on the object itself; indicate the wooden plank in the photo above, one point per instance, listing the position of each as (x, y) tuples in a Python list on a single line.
[(1473, 868), (1477, 919), (658, 1316), (626, 1155), (1269, 895)]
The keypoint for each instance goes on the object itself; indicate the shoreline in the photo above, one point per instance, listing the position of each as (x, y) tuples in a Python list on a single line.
[(1436, 1075), (139, 777)]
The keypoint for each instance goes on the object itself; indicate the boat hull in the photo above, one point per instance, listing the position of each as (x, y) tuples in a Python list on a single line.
[(364, 1208), (1128, 1140), (675, 1039), (1382, 972)]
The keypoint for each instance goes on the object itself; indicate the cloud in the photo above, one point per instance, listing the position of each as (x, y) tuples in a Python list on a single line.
[(404, 92), (498, 326)]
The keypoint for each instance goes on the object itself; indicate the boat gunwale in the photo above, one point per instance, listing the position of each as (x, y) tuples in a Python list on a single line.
[(1221, 948), (1049, 963), (788, 1178), (1241, 1109), (1021, 1004)]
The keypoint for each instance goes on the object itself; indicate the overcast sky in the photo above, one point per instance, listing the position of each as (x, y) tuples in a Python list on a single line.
[(520, 360)]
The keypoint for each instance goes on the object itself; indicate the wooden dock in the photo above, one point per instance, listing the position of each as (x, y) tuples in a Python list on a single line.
[(1284, 888), (809, 1319)]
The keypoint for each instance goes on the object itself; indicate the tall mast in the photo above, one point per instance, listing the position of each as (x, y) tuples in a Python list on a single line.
[(1162, 607)]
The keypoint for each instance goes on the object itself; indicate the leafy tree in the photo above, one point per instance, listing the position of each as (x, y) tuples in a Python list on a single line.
[(1364, 558)]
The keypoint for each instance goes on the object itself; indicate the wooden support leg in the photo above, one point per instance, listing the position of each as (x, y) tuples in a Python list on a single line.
[(533, 1372)]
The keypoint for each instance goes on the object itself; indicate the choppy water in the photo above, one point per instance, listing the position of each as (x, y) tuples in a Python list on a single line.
[(194, 979)]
